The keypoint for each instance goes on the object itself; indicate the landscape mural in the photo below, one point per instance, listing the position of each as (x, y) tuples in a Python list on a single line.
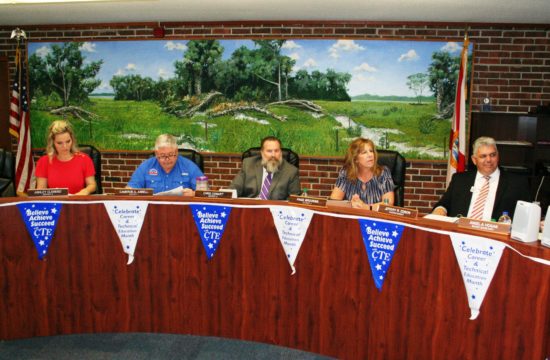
[(225, 95)]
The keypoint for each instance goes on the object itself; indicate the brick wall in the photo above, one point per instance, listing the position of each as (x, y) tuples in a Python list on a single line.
[(511, 66), (425, 180)]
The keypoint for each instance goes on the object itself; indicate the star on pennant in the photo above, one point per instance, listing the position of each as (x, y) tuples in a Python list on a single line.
[(54, 210)]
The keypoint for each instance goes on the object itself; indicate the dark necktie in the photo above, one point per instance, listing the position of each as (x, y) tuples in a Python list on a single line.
[(264, 194)]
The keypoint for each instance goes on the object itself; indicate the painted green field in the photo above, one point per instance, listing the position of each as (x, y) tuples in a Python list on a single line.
[(131, 125)]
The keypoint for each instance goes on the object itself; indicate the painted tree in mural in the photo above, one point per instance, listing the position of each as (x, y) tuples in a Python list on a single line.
[(259, 74), (235, 76), (133, 87), (443, 72), (287, 64), (269, 63), (417, 83), (62, 71), (198, 68), (320, 86)]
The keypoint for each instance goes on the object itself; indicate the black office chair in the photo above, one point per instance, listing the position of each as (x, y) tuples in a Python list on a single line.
[(288, 155), (95, 155), (396, 163), (194, 156), (7, 173)]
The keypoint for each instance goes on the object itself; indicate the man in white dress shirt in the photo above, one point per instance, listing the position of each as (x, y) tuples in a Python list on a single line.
[(486, 193)]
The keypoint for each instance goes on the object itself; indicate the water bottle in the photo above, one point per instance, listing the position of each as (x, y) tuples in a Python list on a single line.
[(505, 218), (202, 183)]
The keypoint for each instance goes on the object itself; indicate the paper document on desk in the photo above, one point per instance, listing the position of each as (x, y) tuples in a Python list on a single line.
[(174, 192), (448, 219), (338, 203)]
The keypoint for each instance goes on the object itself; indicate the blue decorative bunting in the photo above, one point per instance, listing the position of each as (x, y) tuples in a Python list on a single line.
[(41, 221), (210, 221), (381, 240)]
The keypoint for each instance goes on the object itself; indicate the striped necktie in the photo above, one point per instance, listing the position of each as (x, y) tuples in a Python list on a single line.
[(264, 194), (479, 206)]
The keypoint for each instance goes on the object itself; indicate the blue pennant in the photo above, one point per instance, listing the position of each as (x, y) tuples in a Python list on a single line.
[(210, 221), (41, 221), (381, 240)]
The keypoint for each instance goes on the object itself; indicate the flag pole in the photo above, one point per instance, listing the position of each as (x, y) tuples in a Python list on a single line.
[(20, 118), (457, 138)]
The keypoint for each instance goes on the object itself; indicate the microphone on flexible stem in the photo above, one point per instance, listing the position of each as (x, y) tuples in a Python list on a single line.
[(538, 190)]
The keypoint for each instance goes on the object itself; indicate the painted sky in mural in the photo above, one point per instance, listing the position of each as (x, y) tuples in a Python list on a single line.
[(377, 67)]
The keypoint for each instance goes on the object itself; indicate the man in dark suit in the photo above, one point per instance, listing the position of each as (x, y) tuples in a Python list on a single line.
[(502, 191), (283, 178)]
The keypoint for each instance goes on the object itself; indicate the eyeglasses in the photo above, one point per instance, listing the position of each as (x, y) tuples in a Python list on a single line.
[(167, 157)]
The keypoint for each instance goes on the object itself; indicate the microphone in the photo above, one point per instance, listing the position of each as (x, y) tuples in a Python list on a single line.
[(538, 190)]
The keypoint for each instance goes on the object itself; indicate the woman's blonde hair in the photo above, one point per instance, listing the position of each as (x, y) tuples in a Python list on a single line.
[(59, 127), (350, 161)]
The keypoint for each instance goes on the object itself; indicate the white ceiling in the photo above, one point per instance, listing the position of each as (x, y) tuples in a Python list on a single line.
[(470, 11)]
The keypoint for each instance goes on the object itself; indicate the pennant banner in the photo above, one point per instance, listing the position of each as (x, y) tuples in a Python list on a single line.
[(381, 240), (292, 224), (41, 221), (127, 219), (478, 259), (210, 221)]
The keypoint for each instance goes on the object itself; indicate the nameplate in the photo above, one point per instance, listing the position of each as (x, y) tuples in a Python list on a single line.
[(213, 194), (48, 192), (398, 211), (307, 200), (482, 225), (133, 192)]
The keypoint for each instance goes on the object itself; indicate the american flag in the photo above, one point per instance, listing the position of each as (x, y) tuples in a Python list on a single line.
[(457, 139), (20, 126)]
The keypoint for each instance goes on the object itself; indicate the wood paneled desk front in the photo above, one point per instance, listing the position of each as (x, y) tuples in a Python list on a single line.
[(330, 306)]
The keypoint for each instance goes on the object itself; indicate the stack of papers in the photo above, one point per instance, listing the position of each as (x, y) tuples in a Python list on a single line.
[(441, 218)]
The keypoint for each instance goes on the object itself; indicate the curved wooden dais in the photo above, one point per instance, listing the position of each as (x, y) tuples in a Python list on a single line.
[(330, 306)]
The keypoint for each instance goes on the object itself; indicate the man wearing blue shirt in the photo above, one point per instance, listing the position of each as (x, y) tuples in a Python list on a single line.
[(167, 170)]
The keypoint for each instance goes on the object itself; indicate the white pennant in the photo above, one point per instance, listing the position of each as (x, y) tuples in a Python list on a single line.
[(478, 259), (127, 218), (292, 224)]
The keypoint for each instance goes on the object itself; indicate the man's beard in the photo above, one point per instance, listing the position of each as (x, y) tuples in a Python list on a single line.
[(272, 165)]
